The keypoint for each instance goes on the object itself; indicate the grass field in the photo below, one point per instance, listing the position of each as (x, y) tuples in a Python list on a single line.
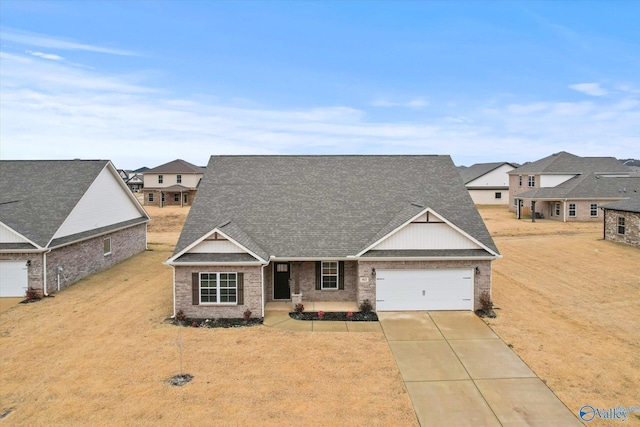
[(98, 353)]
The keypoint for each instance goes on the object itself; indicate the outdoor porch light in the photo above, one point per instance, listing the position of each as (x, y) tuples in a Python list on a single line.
[(373, 271), (28, 262), (477, 270)]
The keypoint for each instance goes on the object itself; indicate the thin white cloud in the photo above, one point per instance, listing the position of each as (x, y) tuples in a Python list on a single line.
[(50, 56), (43, 40), (412, 103), (591, 89)]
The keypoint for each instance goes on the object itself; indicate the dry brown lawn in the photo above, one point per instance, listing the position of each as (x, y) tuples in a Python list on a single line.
[(99, 352), (570, 306)]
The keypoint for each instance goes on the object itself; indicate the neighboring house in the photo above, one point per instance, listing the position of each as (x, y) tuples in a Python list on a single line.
[(135, 182), (399, 231), (174, 183), (61, 221), (622, 221), (488, 183), (566, 187)]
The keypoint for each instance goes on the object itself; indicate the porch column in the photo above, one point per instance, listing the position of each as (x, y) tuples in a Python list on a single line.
[(296, 277), (533, 211)]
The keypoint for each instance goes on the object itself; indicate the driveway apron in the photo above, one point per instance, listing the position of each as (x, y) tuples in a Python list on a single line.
[(459, 372)]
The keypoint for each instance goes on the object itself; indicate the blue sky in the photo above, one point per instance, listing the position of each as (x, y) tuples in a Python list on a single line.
[(146, 82)]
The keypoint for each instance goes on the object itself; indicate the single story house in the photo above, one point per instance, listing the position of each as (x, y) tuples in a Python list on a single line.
[(174, 183), (488, 183), (61, 221), (399, 231), (566, 187), (622, 221)]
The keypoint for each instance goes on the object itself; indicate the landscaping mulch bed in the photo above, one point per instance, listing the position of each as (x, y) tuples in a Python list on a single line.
[(486, 313), (219, 323), (357, 316)]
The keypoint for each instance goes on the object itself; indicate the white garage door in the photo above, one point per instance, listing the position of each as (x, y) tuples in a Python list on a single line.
[(398, 290), (13, 278)]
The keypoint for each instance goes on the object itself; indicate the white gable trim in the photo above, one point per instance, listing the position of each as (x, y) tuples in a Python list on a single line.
[(171, 260), (20, 237), (441, 218), (85, 217)]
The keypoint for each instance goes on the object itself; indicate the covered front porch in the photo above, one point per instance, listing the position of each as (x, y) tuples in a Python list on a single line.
[(326, 306)]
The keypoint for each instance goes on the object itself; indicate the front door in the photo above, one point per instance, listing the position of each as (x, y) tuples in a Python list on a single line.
[(281, 276)]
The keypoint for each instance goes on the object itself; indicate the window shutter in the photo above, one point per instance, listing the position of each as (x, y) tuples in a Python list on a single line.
[(240, 288), (195, 288), (318, 275), (341, 275)]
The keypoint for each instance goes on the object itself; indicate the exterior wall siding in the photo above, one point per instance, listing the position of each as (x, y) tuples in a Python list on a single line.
[(252, 293), (367, 281), (488, 197), (632, 227), (82, 259)]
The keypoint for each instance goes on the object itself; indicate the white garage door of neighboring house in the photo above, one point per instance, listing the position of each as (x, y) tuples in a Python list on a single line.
[(13, 278), (398, 290)]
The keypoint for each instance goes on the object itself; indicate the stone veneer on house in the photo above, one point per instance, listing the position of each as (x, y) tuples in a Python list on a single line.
[(632, 227)]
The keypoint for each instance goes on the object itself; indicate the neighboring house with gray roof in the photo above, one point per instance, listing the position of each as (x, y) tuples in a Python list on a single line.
[(174, 183), (488, 183), (61, 221), (566, 187), (622, 221), (399, 231)]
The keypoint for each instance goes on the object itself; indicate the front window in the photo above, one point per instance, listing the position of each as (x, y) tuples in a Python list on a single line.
[(594, 209), (160, 179), (532, 181), (218, 288), (557, 209), (621, 225), (179, 179), (330, 275), (572, 209), (106, 245), (176, 197), (498, 195), (151, 197), (519, 180)]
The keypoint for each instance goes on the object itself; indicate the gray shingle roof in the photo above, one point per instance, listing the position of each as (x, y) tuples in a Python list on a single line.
[(475, 171), (36, 196), (176, 166), (325, 206), (567, 163), (629, 205), (588, 186)]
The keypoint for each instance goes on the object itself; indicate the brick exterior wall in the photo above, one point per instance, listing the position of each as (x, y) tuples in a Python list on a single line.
[(583, 210), (252, 293), (82, 259), (515, 189), (367, 282), (85, 258), (169, 198), (34, 271), (632, 227)]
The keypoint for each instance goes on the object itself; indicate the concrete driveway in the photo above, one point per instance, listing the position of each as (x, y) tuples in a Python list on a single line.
[(458, 372)]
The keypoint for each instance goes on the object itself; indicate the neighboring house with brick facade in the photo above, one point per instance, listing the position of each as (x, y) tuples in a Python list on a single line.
[(174, 183), (61, 221), (399, 231), (488, 183), (566, 187), (622, 221)]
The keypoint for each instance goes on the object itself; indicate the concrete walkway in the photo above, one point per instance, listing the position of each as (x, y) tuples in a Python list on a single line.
[(459, 373), (281, 320)]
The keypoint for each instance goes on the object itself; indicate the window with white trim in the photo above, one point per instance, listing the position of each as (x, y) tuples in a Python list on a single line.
[(519, 180), (621, 225), (329, 275), (106, 246), (160, 179), (176, 197), (532, 180), (218, 288), (151, 197), (557, 209), (594, 209), (179, 179), (572, 209)]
